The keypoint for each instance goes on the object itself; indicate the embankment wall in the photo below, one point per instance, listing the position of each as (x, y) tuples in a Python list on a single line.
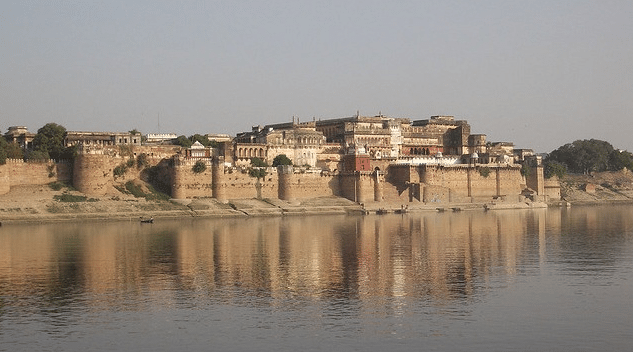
[(19, 172)]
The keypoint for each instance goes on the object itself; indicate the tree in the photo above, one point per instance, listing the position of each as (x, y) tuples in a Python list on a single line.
[(200, 138), (9, 151), (3, 151), (14, 151), (38, 154), (50, 140), (620, 159), (183, 141), (281, 159), (583, 156), (257, 162), (554, 168), (258, 168)]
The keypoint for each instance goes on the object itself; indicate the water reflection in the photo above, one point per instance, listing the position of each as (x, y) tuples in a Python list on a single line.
[(437, 257)]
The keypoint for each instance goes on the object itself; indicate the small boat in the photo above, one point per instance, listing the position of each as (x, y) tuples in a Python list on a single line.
[(147, 221), (382, 211), (403, 210)]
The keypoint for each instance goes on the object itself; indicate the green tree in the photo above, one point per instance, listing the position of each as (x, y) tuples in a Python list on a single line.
[(38, 154), (554, 168), (281, 159), (9, 150), (200, 138), (3, 151), (14, 151), (258, 168), (620, 159), (583, 156), (257, 162), (183, 141), (50, 140)]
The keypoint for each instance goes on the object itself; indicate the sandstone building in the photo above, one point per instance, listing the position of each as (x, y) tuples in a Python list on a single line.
[(362, 158)]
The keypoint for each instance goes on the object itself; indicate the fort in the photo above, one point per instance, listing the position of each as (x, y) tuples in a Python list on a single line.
[(368, 160)]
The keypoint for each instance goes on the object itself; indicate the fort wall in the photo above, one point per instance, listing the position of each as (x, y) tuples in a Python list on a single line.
[(187, 183), (19, 172), (96, 171)]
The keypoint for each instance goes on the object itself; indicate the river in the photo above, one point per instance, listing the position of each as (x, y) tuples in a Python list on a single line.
[(556, 279)]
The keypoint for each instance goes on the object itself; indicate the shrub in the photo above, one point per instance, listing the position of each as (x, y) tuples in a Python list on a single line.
[(134, 190), (141, 161), (119, 170), (69, 198), (137, 191), (199, 167), (56, 186), (484, 171)]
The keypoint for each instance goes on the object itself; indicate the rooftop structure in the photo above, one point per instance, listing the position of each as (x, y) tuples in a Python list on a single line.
[(20, 135), (101, 138)]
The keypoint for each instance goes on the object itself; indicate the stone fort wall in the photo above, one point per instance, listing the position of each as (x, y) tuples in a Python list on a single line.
[(19, 172), (94, 174), (436, 183)]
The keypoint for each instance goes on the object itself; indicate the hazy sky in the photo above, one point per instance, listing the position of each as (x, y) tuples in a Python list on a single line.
[(536, 73)]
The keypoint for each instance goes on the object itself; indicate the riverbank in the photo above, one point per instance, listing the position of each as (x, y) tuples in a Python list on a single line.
[(35, 204), (611, 187), (47, 203)]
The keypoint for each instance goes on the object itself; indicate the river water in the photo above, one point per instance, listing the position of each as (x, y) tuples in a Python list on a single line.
[(517, 280)]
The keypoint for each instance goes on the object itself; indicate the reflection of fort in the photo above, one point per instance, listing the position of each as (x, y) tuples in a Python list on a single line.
[(439, 256)]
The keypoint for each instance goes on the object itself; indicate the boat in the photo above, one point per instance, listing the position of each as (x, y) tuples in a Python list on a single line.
[(147, 221), (403, 210), (382, 211)]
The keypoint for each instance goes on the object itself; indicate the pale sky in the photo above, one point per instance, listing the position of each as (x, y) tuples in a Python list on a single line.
[(536, 73)]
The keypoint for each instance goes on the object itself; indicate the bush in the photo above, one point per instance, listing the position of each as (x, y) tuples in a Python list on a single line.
[(525, 170), (119, 170), (141, 161), (484, 171), (69, 198), (56, 186), (137, 191), (134, 190), (199, 167)]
